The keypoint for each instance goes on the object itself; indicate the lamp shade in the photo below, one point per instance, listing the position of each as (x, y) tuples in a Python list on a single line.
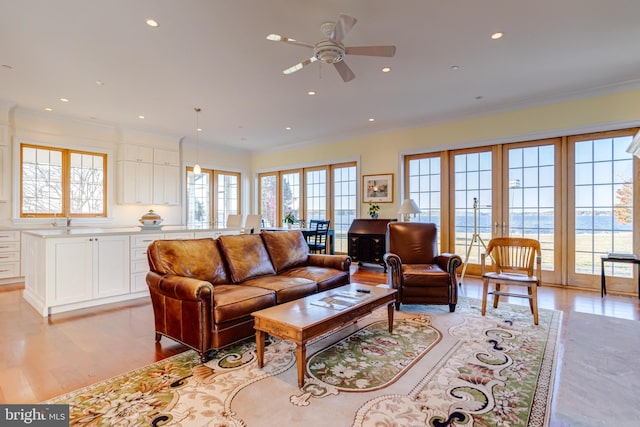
[(409, 207)]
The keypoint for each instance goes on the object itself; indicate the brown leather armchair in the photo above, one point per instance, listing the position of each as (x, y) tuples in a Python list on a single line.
[(415, 269)]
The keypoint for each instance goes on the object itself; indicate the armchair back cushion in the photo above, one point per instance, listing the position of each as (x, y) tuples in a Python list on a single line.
[(198, 259), (246, 256), (287, 249), (414, 243)]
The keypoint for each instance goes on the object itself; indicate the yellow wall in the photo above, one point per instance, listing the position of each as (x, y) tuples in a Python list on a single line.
[(382, 153)]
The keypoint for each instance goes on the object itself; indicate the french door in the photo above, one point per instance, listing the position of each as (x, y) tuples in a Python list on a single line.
[(507, 190)]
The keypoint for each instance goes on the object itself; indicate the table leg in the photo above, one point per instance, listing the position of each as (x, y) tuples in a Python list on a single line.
[(301, 360), (390, 311), (603, 286), (260, 348)]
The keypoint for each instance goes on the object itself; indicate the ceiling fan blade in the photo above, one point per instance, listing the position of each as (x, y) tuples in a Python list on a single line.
[(387, 51), (279, 38), (300, 65), (344, 71), (344, 24)]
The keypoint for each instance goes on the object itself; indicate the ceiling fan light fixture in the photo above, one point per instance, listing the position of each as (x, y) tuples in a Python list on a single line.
[(328, 51)]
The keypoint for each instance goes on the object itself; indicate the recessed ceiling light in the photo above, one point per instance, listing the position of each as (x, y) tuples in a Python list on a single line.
[(311, 93), (372, 119), (455, 67), (141, 116), (99, 82), (199, 129), (152, 23), (497, 35), (64, 100), (287, 128), (386, 69), (48, 109)]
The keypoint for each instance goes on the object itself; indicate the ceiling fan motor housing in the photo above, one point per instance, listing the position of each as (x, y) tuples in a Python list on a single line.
[(328, 51)]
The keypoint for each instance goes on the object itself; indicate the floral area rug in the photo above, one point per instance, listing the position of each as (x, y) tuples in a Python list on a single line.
[(436, 369)]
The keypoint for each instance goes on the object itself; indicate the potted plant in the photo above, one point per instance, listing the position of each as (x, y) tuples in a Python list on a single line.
[(289, 219), (373, 210)]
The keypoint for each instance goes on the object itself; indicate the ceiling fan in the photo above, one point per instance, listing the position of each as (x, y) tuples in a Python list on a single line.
[(330, 49)]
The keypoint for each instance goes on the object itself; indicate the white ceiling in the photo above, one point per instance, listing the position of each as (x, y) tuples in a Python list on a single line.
[(213, 54)]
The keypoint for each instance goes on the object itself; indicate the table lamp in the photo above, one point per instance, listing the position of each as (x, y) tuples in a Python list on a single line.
[(408, 207)]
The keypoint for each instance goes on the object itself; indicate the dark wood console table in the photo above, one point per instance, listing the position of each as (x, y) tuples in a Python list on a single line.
[(367, 241), (628, 260)]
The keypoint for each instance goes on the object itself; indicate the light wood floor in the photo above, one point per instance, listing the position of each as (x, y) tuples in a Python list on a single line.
[(41, 358)]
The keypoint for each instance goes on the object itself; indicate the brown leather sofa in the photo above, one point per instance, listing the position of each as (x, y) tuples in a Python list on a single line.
[(203, 291), (415, 269)]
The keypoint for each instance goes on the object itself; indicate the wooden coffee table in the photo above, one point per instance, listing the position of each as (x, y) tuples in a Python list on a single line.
[(307, 318)]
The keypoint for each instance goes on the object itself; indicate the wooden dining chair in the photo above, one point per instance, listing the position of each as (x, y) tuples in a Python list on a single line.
[(317, 239), (517, 262)]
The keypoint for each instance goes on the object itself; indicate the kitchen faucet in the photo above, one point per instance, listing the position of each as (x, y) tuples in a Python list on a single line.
[(68, 220)]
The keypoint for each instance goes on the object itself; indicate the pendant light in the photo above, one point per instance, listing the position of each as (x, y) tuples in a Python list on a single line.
[(197, 169)]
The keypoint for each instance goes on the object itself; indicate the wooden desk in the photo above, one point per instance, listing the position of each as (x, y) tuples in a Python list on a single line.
[(635, 260)]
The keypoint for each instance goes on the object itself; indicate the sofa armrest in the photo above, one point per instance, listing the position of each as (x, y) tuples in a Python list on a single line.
[(180, 288), (394, 275), (449, 263), (339, 262)]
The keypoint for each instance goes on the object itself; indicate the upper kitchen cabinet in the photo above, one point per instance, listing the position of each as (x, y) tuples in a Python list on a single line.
[(148, 175), (166, 177), (5, 168)]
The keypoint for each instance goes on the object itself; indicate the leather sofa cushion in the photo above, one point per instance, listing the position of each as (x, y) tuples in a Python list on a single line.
[(285, 288), (198, 258), (327, 278), (286, 248), (246, 256), (235, 302), (424, 275)]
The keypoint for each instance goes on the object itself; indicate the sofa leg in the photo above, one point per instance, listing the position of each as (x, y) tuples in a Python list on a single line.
[(158, 337), (452, 308)]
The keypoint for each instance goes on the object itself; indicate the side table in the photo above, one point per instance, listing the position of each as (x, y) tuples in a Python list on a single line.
[(627, 260)]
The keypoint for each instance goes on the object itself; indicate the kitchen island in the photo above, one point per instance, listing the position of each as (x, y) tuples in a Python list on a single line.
[(67, 268)]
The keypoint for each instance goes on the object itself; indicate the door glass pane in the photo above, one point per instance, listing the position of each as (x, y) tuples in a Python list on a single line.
[(603, 204), (473, 196), (291, 194), (199, 199), (316, 194), (344, 202), (424, 189), (268, 199), (531, 197), (227, 196)]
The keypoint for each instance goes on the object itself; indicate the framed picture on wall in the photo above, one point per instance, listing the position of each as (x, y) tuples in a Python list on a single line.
[(377, 188)]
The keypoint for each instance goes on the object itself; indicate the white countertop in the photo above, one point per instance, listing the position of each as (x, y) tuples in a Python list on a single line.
[(90, 231)]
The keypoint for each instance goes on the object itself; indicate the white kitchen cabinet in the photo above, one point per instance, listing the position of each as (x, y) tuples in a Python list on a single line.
[(76, 272), (136, 153), (5, 164), (166, 185), (10, 256), (166, 157), (135, 183)]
